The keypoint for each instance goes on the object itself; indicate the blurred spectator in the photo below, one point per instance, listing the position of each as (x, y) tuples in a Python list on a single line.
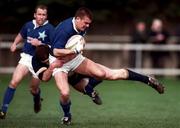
[(158, 35), (138, 36)]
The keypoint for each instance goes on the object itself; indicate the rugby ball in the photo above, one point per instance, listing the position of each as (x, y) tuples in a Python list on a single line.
[(75, 41)]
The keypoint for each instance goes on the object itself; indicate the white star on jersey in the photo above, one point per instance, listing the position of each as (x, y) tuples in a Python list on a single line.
[(42, 35)]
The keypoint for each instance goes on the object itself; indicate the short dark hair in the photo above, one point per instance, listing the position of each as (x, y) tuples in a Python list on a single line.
[(41, 6), (83, 11), (42, 52)]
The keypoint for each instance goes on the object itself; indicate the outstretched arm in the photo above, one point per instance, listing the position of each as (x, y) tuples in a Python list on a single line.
[(18, 39), (47, 73), (62, 52)]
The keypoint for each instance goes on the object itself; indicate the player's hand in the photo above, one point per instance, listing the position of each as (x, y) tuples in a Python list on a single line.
[(79, 48), (13, 47), (33, 41)]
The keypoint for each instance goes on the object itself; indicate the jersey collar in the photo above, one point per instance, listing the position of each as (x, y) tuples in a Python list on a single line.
[(74, 26), (36, 26)]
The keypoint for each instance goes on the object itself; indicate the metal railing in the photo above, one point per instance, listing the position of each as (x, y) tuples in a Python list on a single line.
[(117, 46)]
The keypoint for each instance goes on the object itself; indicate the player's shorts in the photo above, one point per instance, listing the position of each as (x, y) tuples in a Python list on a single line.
[(26, 60), (70, 65)]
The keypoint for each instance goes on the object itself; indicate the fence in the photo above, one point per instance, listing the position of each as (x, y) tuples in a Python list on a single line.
[(115, 43)]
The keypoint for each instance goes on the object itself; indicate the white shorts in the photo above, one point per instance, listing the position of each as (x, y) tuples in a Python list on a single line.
[(26, 60), (70, 65)]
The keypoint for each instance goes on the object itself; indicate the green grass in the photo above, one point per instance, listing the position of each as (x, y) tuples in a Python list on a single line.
[(126, 104)]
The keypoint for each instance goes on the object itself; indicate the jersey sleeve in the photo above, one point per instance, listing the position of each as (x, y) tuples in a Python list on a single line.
[(23, 31), (60, 39), (51, 34)]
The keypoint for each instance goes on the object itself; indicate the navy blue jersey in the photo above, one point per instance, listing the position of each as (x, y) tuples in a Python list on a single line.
[(37, 65), (43, 33), (63, 32)]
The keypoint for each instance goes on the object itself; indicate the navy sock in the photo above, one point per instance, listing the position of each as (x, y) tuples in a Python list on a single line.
[(8, 96), (138, 77), (93, 82), (37, 96), (66, 108), (88, 90)]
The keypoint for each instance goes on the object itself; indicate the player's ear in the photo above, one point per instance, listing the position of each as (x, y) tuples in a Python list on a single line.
[(78, 19), (35, 15)]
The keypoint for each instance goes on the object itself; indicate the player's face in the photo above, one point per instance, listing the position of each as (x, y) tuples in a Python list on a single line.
[(40, 16), (82, 23)]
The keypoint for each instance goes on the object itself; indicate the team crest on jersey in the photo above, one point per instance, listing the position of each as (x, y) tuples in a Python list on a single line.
[(42, 35)]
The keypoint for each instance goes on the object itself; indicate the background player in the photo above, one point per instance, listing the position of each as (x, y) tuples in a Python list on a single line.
[(35, 32)]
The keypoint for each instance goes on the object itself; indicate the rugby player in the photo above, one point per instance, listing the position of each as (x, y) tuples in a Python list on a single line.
[(33, 33), (80, 64), (43, 70)]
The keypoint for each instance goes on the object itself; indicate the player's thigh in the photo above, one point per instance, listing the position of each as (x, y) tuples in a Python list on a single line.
[(90, 68), (18, 74), (62, 82)]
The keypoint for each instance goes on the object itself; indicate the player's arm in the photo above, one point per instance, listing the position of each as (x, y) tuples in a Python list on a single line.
[(62, 52), (46, 73), (59, 43), (34, 41), (18, 39)]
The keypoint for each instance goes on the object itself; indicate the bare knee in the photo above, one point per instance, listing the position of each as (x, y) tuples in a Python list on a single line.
[(65, 96), (34, 89), (34, 85), (14, 83), (64, 91)]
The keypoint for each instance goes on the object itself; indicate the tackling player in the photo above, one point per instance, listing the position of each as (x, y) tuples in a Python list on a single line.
[(43, 70)]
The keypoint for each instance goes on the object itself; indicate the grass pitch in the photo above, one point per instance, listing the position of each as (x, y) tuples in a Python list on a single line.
[(126, 104)]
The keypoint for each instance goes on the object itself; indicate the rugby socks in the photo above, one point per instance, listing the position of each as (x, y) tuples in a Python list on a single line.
[(37, 96), (8, 96), (137, 77), (91, 84), (88, 89), (66, 108)]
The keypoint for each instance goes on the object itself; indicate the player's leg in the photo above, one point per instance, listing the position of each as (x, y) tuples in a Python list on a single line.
[(65, 103), (85, 84), (126, 74), (89, 90), (99, 71), (18, 75), (90, 68), (36, 92)]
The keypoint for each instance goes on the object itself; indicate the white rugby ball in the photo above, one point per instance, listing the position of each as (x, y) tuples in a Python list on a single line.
[(75, 41)]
